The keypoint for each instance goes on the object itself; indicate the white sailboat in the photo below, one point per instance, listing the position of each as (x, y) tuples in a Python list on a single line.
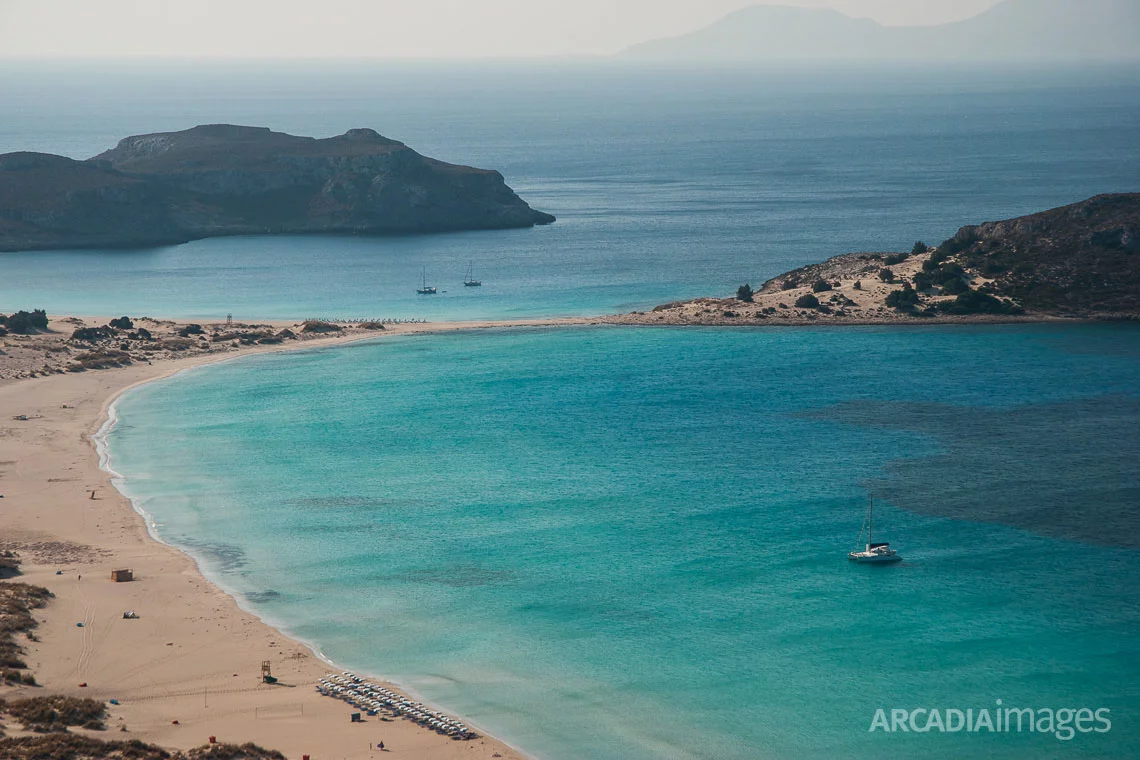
[(873, 552), (425, 289), (468, 280)]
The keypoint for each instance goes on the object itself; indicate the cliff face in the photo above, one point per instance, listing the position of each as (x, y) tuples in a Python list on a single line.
[(228, 180), (1078, 259)]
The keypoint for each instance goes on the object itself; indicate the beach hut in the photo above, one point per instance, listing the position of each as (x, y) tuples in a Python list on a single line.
[(122, 576)]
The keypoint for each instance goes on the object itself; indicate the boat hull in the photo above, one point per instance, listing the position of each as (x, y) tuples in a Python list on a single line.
[(870, 558)]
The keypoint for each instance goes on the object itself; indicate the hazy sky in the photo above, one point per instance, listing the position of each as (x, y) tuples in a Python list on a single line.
[(390, 28)]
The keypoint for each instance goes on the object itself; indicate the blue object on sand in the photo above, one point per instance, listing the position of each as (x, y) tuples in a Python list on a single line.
[(79, 625), (113, 701), (59, 572)]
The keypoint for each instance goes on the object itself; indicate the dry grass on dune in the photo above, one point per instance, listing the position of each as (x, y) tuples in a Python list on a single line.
[(72, 747)]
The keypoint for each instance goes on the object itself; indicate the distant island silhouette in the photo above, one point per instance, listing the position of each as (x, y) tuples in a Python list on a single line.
[(221, 179), (1042, 30)]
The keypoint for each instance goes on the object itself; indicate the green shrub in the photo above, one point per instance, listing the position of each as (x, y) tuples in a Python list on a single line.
[(903, 300), (975, 302), (744, 293), (821, 286), (991, 268), (948, 271), (886, 275), (919, 248), (954, 287), (807, 301), (122, 323)]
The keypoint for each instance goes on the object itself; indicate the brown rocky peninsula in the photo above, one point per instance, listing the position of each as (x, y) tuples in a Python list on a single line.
[(1075, 262)]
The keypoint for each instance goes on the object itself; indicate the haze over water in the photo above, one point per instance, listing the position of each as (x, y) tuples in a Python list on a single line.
[(667, 184), (631, 543)]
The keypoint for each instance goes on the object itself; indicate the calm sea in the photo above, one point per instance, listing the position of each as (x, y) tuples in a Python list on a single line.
[(631, 543), (667, 183), (625, 543)]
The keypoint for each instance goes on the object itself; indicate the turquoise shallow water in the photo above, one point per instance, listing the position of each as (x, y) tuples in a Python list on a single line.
[(628, 543)]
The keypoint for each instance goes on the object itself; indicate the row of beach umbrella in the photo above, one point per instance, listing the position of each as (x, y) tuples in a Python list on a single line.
[(373, 698)]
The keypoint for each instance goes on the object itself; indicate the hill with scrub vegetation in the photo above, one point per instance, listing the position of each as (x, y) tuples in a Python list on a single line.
[(1077, 261)]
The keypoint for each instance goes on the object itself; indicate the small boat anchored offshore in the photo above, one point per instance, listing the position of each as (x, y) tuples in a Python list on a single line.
[(878, 553), (425, 289), (468, 280)]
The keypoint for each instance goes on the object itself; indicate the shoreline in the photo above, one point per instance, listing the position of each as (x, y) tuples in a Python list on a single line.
[(69, 417), (103, 452), (66, 415)]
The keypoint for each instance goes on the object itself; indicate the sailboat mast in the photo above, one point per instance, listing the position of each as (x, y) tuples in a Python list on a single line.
[(870, 522)]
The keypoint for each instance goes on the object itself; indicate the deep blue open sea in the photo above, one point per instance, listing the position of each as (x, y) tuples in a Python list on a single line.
[(631, 543)]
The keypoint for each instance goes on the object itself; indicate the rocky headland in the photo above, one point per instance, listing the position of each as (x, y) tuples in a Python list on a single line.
[(1075, 262), (221, 179)]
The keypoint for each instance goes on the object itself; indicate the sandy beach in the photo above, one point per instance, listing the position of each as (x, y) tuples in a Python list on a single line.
[(190, 666)]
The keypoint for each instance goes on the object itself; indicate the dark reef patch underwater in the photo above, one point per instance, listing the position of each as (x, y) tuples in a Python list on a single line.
[(1066, 470)]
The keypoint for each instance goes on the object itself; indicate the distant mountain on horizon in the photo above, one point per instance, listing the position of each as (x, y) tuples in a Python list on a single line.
[(1026, 30)]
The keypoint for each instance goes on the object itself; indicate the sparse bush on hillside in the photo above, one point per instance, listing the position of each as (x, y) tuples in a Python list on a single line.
[(821, 286), (896, 258), (903, 300), (975, 302), (919, 248), (744, 293), (948, 271), (954, 286), (991, 268), (122, 323), (886, 275), (807, 301), (965, 238)]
